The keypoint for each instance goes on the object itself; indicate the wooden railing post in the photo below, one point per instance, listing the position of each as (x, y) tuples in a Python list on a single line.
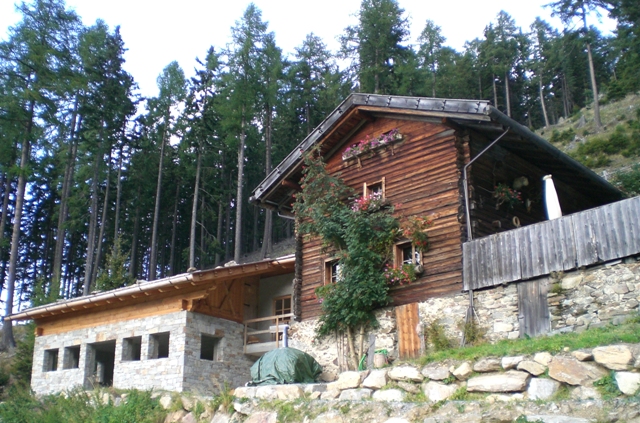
[(244, 344)]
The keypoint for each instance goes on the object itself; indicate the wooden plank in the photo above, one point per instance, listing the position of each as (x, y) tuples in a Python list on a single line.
[(566, 235), (606, 238), (483, 262), (585, 237), (510, 254), (371, 350), (618, 228), (527, 256), (631, 218), (467, 265), (533, 308)]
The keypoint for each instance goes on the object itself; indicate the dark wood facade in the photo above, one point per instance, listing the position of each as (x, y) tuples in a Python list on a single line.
[(422, 175)]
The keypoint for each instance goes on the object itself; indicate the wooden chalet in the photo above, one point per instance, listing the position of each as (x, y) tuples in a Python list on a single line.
[(422, 169)]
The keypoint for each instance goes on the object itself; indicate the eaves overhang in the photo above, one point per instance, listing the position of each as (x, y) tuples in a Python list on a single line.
[(143, 289)]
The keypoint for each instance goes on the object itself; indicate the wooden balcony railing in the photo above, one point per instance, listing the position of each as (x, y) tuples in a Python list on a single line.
[(593, 236), (259, 348)]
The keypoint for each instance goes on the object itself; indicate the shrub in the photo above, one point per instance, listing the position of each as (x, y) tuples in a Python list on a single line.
[(629, 181), (563, 137), (633, 148), (472, 332), (618, 141), (22, 406), (436, 336), (23, 359), (592, 161)]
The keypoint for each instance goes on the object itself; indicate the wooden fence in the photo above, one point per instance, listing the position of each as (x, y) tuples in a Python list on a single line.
[(596, 235)]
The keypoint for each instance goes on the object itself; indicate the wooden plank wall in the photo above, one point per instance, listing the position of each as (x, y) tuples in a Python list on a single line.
[(581, 239), (423, 175)]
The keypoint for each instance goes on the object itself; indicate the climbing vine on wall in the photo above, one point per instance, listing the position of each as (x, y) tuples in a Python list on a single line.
[(360, 232), (361, 238)]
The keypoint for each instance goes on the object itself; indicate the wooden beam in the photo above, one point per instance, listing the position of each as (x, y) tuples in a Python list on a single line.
[(290, 184)]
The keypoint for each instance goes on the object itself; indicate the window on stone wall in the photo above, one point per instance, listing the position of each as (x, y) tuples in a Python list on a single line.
[(159, 345), (50, 360), (210, 347), (131, 348), (71, 359)]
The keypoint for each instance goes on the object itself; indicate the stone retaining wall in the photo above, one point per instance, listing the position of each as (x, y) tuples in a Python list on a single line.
[(591, 297)]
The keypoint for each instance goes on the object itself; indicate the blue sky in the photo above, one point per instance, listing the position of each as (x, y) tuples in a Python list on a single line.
[(157, 33)]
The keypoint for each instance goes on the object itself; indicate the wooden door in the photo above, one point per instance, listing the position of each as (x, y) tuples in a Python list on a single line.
[(533, 307), (407, 321)]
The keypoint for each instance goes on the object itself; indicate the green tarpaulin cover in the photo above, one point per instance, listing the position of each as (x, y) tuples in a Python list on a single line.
[(285, 365)]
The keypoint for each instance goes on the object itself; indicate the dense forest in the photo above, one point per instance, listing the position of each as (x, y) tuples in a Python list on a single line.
[(100, 187)]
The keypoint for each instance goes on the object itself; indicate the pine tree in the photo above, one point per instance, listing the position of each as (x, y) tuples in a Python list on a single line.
[(37, 61), (375, 45), (431, 42), (239, 107), (568, 10), (172, 86)]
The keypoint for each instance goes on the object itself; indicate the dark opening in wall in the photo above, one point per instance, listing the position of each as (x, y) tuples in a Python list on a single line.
[(131, 348), (159, 345), (210, 348), (50, 360), (100, 363), (71, 359)]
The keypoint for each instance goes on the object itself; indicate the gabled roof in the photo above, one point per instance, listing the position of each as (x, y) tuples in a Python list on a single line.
[(143, 289), (276, 190)]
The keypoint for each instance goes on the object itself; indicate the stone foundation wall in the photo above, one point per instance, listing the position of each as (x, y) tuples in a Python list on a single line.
[(591, 297), (598, 296), (182, 370)]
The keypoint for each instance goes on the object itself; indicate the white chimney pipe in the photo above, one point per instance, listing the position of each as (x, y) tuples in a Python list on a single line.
[(551, 202)]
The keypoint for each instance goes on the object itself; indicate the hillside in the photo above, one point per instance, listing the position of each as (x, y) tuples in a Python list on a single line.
[(609, 153)]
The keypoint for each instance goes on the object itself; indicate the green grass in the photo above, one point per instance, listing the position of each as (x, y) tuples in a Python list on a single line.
[(628, 332), (607, 387)]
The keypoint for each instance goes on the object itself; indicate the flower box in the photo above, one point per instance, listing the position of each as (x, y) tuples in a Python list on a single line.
[(370, 145)]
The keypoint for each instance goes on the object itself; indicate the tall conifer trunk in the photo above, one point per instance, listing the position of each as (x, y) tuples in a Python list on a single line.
[(133, 263), (174, 230), (64, 205), (544, 108), (237, 245), (268, 220), (116, 218), (103, 223), (153, 257), (93, 225), (7, 330), (194, 215), (506, 93)]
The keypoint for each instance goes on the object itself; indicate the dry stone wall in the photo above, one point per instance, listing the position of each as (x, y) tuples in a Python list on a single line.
[(592, 297)]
